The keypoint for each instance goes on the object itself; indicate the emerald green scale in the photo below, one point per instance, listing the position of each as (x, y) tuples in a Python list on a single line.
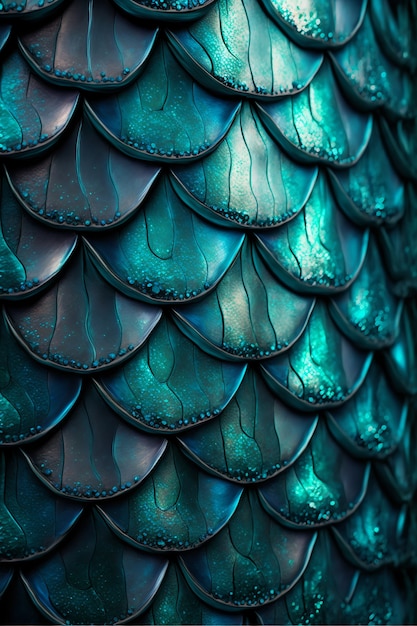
[(207, 343)]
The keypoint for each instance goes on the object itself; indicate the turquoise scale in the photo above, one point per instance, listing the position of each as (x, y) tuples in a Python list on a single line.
[(208, 273)]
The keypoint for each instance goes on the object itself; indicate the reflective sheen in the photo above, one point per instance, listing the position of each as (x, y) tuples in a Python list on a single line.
[(324, 485), (319, 251), (150, 256), (32, 114), (247, 180), (81, 323), (165, 9), (256, 59), (321, 369), (152, 389), (176, 508), (89, 44), (238, 569), (318, 23), (318, 124), (84, 184), (368, 311), (254, 438), (94, 455), (249, 315), (164, 115), (31, 9)]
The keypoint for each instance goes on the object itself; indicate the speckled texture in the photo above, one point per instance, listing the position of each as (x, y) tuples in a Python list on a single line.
[(208, 273)]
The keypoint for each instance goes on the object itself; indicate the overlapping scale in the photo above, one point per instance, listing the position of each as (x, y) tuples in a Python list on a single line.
[(318, 125), (32, 114), (256, 59), (237, 569), (369, 77), (318, 23), (5, 30), (33, 399), (154, 392), (84, 183), (249, 315), (165, 9), (401, 141), (163, 116), (377, 536), (368, 311), (16, 605), (254, 438), (400, 358), (86, 457), (176, 508), (370, 192), (390, 22), (371, 424), (23, 534), (175, 603), (94, 579), (25, 269), (81, 323), (322, 369), (324, 485), (319, 251), (90, 44), (150, 256), (247, 180)]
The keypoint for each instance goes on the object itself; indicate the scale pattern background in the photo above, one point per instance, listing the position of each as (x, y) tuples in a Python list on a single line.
[(208, 270)]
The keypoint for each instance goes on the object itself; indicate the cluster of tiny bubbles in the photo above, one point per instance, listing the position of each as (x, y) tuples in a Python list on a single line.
[(78, 490), (244, 219), (151, 148), (375, 439), (333, 155), (251, 474), (325, 394), (70, 218), (160, 540), (256, 597), (328, 279), (165, 423), (371, 547), (376, 325), (65, 361), (311, 615), (30, 143), (156, 291), (24, 286), (27, 553), (310, 25), (8, 438), (71, 74), (177, 5), (316, 513), (252, 350)]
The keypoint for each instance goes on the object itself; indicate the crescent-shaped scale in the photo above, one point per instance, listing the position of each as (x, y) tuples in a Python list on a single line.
[(74, 459), (322, 369), (25, 535), (390, 22), (81, 323), (236, 570), (28, 9), (326, 485), (256, 59), (320, 250), (169, 10), (32, 114), (90, 45), (149, 257), (94, 579), (177, 508), (249, 315), (248, 181), (33, 399), (154, 394), (84, 184), (318, 125), (255, 437), (318, 23), (164, 116), (25, 270), (400, 359)]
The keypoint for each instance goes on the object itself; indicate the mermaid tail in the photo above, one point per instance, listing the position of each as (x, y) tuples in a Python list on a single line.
[(208, 273)]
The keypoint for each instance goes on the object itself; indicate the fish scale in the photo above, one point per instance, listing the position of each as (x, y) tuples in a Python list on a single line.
[(208, 276)]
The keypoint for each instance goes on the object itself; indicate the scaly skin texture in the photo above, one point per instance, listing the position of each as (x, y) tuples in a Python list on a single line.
[(208, 274)]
